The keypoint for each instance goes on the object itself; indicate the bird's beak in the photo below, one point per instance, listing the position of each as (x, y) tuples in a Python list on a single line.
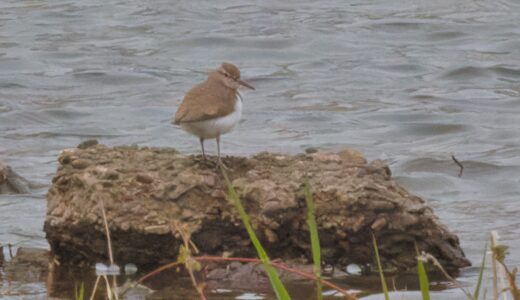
[(245, 84)]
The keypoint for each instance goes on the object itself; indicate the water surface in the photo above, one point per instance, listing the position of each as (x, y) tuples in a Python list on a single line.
[(408, 82)]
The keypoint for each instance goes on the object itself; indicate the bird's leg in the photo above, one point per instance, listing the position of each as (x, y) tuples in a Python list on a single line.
[(202, 146), (218, 148), (219, 161)]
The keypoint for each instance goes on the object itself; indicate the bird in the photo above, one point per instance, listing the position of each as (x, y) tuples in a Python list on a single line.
[(213, 107)]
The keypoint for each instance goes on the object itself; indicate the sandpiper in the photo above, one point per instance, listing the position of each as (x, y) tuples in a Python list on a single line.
[(213, 107)]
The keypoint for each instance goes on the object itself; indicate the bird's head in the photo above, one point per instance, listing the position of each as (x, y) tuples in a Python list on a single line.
[(229, 74)]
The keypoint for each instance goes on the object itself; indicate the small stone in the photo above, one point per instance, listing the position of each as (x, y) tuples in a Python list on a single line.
[(80, 163), (271, 236), (209, 180), (87, 144), (151, 216), (105, 173), (58, 211), (325, 157), (217, 274), (379, 224), (271, 207), (66, 156), (353, 269), (157, 229), (64, 159), (381, 167), (403, 220), (144, 178), (92, 217), (380, 205), (352, 156), (125, 226), (130, 269), (311, 150), (104, 270), (187, 213), (218, 194)]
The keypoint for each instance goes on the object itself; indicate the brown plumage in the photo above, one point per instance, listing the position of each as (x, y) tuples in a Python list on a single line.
[(210, 109), (195, 106), (214, 90)]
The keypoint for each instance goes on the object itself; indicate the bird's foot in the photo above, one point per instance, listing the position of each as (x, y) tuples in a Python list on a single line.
[(221, 164), (205, 162)]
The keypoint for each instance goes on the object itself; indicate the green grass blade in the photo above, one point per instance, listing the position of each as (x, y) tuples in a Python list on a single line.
[(423, 279), (380, 268), (480, 275), (315, 241), (276, 283), (79, 294)]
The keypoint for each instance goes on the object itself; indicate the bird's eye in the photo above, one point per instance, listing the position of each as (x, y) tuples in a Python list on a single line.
[(226, 74)]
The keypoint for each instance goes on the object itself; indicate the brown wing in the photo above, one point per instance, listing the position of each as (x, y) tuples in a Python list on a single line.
[(205, 101)]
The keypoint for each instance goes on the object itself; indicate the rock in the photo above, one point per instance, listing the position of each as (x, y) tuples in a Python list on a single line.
[(28, 265), (150, 188), (80, 163), (11, 182), (88, 143), (236, 275), (352, 156)]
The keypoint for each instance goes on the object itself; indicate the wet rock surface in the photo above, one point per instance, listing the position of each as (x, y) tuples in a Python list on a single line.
[(28, 265), (144, 190), (11, 182)]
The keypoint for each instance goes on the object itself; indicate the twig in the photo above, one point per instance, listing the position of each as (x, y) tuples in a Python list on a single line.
[(109, 246), (511, 276), (107, 231), (426, 257), (95, 288), (10, 246), (459, 164), (109, 290), (494, 238), (158, 270)]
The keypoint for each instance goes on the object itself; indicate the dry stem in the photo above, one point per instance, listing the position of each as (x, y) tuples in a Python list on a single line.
[(189, 260)]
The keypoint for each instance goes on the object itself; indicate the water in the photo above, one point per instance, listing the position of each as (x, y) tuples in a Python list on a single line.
[(411, 82)]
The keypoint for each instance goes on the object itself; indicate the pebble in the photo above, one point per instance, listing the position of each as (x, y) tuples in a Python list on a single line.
[(379, 224), (352, 156), (80, 163), (125, 226), (144, 178), (157, 229), (353, 269), (130, 269), (88, 143), (104, 270)]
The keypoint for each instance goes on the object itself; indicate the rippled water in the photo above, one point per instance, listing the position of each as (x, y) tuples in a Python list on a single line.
[(411, 82)]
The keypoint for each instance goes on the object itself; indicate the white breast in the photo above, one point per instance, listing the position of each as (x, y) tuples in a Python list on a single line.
[(210, 129)]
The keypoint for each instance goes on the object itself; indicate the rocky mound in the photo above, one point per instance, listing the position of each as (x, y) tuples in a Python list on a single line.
[(11, 182), (144, 190)]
